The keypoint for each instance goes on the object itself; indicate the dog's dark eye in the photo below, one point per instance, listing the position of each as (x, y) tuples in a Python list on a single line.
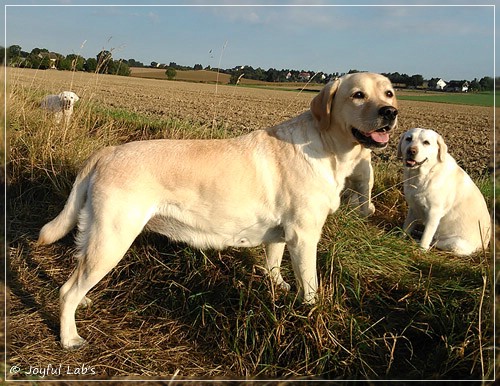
[(389, 94), (359, 95), (408, 139), (427, 143)]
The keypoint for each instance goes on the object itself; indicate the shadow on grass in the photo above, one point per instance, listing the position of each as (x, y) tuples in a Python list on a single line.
[(386, 310)]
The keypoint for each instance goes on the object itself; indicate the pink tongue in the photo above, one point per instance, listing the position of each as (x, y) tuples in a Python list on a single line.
[(381, 137)]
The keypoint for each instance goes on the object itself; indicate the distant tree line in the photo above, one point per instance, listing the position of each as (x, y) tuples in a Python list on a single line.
[(275, 75), (104, 62), (417, 81), (43, 59)]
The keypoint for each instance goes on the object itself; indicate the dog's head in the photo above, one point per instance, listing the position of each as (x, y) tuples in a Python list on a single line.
[(68, 99), (362, 105), (419, 147)]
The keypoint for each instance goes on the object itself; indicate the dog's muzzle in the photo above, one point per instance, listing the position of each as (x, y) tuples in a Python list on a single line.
[(378, 138)]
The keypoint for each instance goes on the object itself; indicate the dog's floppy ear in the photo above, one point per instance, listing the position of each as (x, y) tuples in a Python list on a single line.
[(400, 146), (442, 149), (321, 105)]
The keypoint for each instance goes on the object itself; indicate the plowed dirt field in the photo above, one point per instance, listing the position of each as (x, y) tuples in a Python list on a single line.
[(468, 130)]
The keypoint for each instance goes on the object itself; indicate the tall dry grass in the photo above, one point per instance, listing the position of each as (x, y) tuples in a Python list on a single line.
[(386, 311)]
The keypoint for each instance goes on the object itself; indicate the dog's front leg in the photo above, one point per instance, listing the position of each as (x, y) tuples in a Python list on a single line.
[(59, 116), (431, 226), (274, 252), (410, 222), (67, 117), (361, 181)]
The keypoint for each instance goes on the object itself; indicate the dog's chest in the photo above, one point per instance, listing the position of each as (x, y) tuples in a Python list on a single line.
[(419, 193), (429, 196)]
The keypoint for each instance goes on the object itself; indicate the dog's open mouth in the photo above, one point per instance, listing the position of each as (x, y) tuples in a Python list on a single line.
[(377, 138), (411, 163)]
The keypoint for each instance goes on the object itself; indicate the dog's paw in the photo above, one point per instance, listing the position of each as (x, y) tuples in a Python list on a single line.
[(424, 247), (308, 298), (368, 211), (73, 343), (283, 286), (86, 302)]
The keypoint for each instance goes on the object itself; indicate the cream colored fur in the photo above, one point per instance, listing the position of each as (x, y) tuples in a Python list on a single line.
[(274, 187), (61, 105), (441, 196)]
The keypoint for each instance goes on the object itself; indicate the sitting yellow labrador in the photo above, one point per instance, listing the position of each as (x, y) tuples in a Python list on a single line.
[(274, 187), (441, 196)]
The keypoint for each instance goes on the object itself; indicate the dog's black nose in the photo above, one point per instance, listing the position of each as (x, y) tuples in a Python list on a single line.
[(388, 112), (412, 150)]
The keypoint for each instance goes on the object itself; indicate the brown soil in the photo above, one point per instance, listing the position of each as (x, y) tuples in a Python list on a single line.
[(468, 130)]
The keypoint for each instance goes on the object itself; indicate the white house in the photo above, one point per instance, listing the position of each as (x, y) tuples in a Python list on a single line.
[(440, 85), (304, 76)]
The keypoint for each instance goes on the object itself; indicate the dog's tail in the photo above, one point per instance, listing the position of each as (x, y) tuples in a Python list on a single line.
[(67, 219)]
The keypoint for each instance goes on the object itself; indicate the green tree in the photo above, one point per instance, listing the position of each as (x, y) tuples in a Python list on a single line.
[(37, 59), (13, 54), (90, 65), (134, 63), (104, 59), (122, 68), (272, 75), (415, 80), (111, 66), (171, 73), (236, 77), (432, 83), (474, 85), (64, 64), (487, 83), (77, 62)]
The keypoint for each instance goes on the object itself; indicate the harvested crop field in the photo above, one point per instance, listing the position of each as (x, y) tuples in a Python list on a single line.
[(167, 311), (468, 130)]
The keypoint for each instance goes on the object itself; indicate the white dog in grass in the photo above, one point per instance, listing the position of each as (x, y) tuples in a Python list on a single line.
[(441, 196), (61, 105)]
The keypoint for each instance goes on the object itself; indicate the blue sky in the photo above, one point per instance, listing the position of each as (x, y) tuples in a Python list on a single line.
[(452, 42)]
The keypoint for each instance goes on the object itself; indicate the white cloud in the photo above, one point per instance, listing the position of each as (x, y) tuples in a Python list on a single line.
[(154, 17)]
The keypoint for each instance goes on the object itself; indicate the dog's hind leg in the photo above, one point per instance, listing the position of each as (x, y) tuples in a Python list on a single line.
[(359, 187), (456, 245), (102, 246), (301, 242)]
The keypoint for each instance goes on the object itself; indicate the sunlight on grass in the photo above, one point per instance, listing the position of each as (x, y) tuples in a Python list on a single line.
[(387, 310)]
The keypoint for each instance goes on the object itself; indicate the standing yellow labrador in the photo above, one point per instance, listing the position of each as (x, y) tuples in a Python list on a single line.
[(61, 105), (273, 186)]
